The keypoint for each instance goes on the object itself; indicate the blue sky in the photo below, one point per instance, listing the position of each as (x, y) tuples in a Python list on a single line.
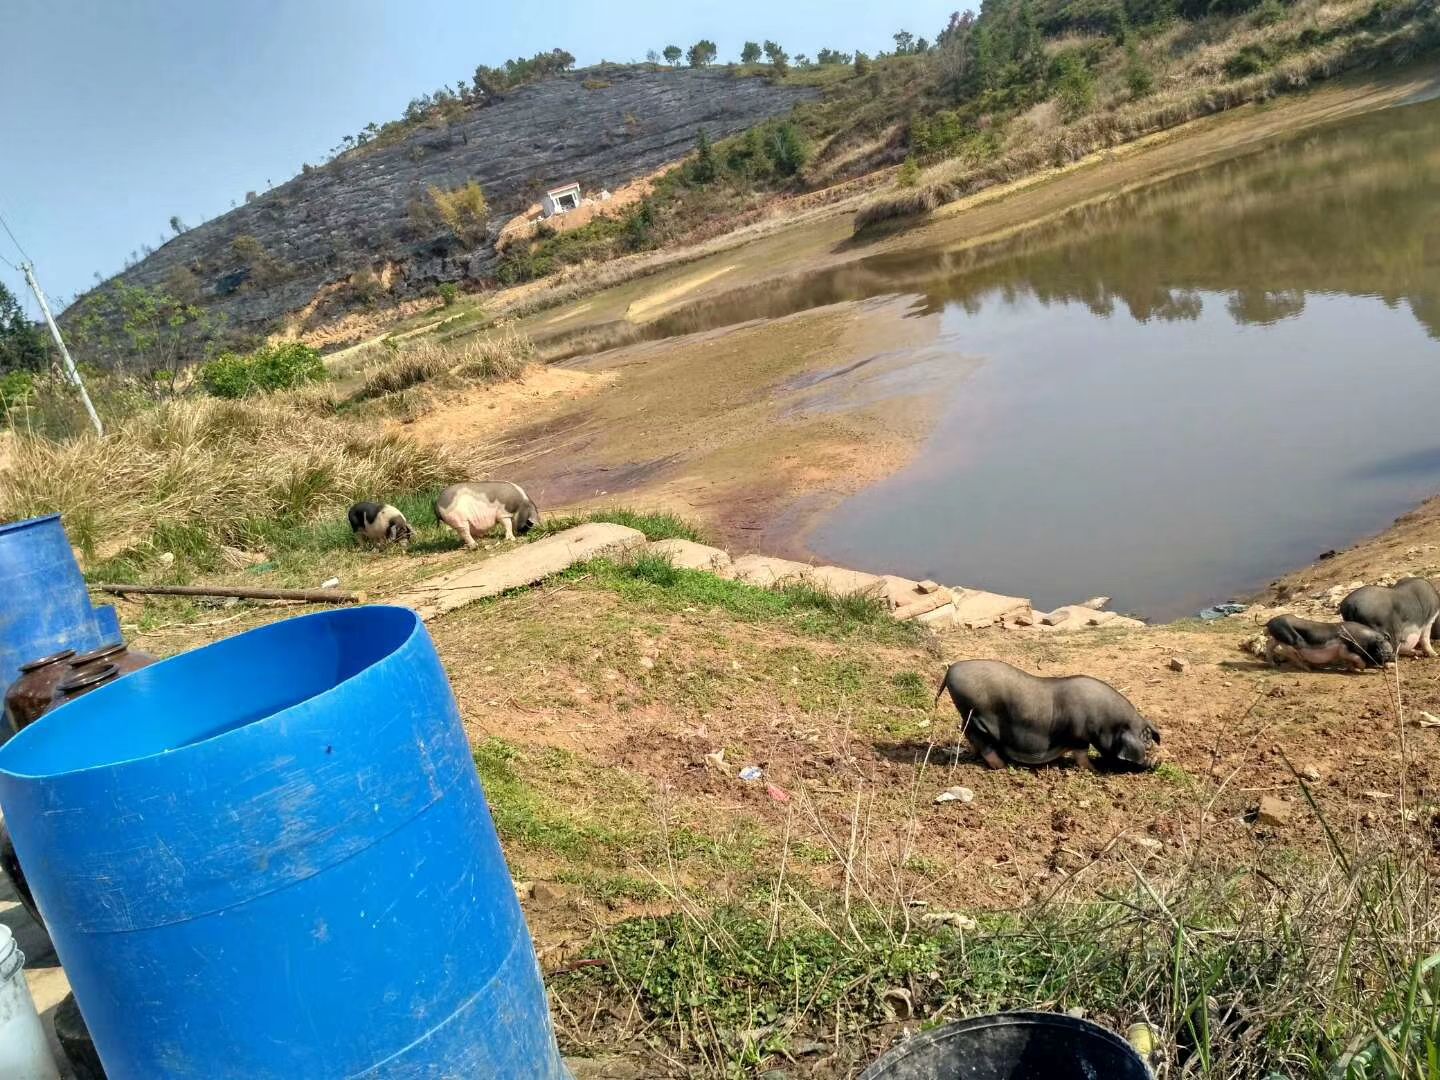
[(119, 113)]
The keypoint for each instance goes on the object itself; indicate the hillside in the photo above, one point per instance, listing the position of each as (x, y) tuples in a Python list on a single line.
[(1023, 86), (357, 214)]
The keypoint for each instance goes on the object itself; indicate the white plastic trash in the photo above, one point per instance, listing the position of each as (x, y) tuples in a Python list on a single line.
[(24, 1053)]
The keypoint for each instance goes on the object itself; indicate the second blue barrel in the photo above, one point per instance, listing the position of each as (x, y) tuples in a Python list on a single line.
[(271, 857), (44, 605)]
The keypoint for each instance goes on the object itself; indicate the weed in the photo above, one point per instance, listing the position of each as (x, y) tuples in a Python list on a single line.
[(266, 370), (525, 818), (656, 525), (655, 579)]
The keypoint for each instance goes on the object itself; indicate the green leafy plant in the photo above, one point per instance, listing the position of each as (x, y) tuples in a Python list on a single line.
[(281, 366), (449, 292)]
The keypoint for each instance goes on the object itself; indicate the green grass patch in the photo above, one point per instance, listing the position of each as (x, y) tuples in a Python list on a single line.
[(1243, 974), (656, 579), (525, 817), (655, 526)]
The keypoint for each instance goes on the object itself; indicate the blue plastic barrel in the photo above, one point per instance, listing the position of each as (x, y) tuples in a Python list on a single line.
[(44, 606), (271, 857)]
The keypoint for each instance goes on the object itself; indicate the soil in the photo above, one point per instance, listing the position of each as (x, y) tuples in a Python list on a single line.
[(729, 428)]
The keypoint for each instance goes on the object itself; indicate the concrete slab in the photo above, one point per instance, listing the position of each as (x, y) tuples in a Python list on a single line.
[(692, 556), (1073, 617), (975, 608), (765, 572), (940, 618), (522, 566), (923, 605), (843, 582)]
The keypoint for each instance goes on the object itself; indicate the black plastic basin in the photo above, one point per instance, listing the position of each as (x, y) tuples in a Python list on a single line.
[(1012, 1046)]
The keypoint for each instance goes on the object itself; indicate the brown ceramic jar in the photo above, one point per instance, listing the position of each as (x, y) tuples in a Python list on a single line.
[(29, 696), (121, 655), (81, 681)]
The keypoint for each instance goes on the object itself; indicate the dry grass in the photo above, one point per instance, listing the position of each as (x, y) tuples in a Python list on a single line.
[(195, 474), (500, 356)]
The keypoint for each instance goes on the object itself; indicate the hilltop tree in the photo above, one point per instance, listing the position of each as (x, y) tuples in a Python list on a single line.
[(862, 64), (779, 58), (904, 43), (826, 57), (177, 224), (672, 55), (22, 346), (702, 53), (750, 54), (652, 57)]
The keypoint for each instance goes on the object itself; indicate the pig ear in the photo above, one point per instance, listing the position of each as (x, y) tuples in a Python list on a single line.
[(1154, 733)]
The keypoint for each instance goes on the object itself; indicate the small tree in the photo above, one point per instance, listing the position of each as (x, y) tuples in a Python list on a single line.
[(862, 64), (672, 55), (652, 57), (750, 53), (702, 53), (1137, 74), (904, 43), (703, 169), (463, 210), (779, 58), (787, 150), (1074, 86), (22, 346), (177, 224)]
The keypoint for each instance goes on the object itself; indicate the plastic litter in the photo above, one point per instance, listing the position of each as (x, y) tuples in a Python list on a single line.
[(779, 794), (1219, 611), (330, 583), (956, 794), (752, 772)]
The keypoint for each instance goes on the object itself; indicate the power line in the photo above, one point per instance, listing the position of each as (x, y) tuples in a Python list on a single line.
[(23, 253)]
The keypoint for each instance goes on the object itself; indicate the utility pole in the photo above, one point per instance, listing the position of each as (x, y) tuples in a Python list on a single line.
[(29, 271)]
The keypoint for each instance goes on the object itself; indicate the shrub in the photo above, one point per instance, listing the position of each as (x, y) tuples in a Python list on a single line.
[(463, 210), (1074, 85), (909, 174), (1250, 60), (282, 366), (497, 358), (1138, 76), (404, 370), (787, 149), (449, 292), (16, 389), (862, 64), (1269, 13)]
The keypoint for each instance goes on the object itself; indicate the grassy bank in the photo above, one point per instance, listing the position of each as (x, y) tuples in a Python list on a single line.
[(1243, 972), (1139, 85)]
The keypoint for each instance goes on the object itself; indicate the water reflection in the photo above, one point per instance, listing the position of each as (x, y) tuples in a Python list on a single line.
[(1185, 392), (1346, 209)]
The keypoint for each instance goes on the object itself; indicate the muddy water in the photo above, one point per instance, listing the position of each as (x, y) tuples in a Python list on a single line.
[(1176, 397), (1170, 398)]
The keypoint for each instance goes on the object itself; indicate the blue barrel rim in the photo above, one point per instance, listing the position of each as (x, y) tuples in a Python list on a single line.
[(13, 526), (96, 698), (1011, 1018)]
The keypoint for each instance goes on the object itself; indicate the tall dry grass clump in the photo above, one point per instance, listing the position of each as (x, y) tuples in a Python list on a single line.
[(499, 357), (204, 472)]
